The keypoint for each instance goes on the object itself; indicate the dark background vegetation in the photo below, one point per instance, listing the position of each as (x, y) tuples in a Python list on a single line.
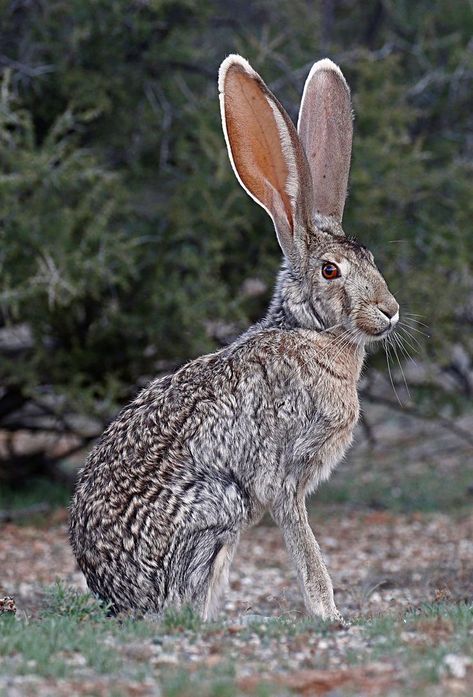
[(127, 245)]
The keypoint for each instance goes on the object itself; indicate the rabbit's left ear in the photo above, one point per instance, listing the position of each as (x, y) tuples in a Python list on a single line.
[(265, 152), (325, 128)]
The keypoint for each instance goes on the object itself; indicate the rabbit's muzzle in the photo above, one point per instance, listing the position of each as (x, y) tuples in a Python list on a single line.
[(377, 320)]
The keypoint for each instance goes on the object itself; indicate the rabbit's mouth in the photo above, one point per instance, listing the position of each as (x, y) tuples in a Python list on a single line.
[(382, 333), (371, 327)]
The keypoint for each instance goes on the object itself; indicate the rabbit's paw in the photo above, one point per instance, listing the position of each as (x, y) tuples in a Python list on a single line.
[(339, 621)]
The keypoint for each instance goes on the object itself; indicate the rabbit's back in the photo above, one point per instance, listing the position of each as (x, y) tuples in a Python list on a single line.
[(166, 465)]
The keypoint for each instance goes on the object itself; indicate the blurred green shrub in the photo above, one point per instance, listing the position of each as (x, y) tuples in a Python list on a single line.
[(125, 239)]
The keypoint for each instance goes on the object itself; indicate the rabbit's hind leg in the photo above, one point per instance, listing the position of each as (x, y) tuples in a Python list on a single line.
[(204, 563), (218, 581)]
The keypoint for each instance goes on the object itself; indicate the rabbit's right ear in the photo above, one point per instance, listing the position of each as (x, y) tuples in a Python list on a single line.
[(265, 150), (325, 128)]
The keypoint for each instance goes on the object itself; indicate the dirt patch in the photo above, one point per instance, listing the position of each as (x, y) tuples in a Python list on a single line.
[(379, 562)]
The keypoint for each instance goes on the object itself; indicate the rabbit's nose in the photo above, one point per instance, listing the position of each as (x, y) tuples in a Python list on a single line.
[(390, 310)]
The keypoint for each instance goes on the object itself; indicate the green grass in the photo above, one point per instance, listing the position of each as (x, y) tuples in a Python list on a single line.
[(219, 682), (70, 623), (73, 634), (422, 638), (182, 619), (63, 601), (43, 647), (277, 627)]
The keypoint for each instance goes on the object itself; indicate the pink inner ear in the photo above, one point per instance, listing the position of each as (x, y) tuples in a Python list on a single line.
[(255, 142)]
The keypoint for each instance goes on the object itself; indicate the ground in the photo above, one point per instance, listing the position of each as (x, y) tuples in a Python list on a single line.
[(396, 528)]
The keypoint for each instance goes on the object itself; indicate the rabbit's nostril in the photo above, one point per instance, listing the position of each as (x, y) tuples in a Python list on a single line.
[(389, 310), (385, 312)]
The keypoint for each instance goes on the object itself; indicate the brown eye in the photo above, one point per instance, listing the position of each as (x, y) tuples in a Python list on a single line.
[(330, 271)]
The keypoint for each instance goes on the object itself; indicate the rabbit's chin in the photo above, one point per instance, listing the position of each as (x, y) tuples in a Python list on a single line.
[(372, 337)]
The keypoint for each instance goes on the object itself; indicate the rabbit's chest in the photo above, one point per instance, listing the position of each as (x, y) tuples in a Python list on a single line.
[(325, 433)]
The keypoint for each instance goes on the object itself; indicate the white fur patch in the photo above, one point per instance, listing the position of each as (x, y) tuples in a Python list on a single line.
[(218, 582), (324, 64), (233, 59), (292, 184)]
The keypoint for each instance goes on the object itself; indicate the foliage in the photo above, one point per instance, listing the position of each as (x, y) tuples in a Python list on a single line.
[(54, 494), (181, 620), (64, 601), (126, 241)]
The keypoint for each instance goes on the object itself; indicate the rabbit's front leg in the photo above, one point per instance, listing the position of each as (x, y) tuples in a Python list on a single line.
[(290, 513)]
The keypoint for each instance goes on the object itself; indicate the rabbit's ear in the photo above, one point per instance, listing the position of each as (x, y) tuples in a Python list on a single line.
[(264, 150), (325, 128)]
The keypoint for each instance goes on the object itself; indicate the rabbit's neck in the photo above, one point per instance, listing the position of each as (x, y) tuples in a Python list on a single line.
[(290, 308)]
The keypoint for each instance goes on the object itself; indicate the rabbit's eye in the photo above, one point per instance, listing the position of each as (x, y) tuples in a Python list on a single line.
[(330, 271)]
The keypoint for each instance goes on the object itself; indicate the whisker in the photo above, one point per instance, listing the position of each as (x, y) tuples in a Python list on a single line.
[(359, 343), (401, 369), (413, 323), (348, 339), (403, 341), (335, 326), (343, 345), (405, 315), (402, 348), (411, 337), (419, 331), (389, 372), (337, 344), (338, 340), (407, 329)]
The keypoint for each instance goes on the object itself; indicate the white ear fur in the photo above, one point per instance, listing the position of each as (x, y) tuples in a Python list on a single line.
[(233, 59), (323, 64), (292, 184)]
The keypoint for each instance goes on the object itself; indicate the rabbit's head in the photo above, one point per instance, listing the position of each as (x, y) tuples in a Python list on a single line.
[(300, 178)]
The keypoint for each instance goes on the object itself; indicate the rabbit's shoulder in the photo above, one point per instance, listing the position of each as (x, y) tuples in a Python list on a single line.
[(310, 355)]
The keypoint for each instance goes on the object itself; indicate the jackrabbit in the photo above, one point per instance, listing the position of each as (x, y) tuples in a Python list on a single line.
[(202, 453)]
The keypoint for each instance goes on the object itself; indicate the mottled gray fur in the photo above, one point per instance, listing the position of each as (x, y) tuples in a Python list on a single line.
[(201, 454)]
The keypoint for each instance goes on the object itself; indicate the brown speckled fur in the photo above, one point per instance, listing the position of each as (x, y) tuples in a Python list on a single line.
[(202, 453)]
